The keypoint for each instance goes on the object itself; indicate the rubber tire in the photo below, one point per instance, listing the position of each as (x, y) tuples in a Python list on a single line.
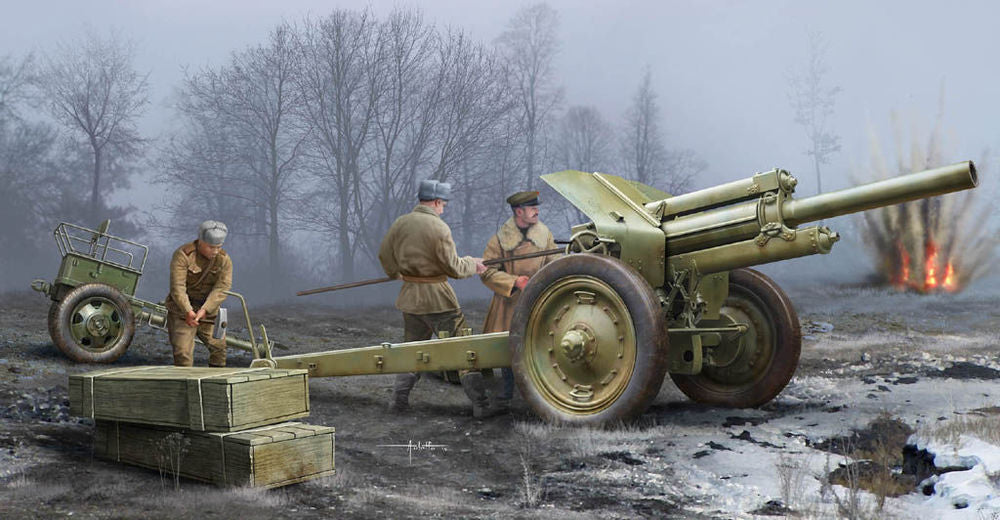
[(781, 367), (651, 335), (60, 316)]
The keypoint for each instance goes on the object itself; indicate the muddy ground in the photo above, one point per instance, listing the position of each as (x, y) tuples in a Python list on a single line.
[(868, 353)]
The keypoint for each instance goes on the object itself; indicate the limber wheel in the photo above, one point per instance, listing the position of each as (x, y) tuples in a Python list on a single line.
[(750, 370), (93, 323), (588, 342)]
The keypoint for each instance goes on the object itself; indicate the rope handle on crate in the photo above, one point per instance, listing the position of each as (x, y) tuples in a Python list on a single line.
[(201, 403)]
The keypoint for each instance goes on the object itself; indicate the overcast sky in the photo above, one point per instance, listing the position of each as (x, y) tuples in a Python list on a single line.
[(720, 67)]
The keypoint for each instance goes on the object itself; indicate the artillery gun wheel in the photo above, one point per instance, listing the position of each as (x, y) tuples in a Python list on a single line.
[(588, 341), (758, 369), (93, 323)]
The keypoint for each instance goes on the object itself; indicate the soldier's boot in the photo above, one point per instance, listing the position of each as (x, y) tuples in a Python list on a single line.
[(475, 388), (501, 405), (501, 401), (400, 401)]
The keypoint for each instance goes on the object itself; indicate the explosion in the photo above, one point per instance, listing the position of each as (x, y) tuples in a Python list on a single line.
[(932, 245)]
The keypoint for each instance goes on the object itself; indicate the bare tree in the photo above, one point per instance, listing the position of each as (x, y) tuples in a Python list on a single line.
[(94, 90), (812, 100), (409, 98), (529, 44), (253, 101), (16, 77), (28, 172), (642, 146), (585, 140), (680, 167), (644, 152), (475, 105), (204, 175), (340, 54)]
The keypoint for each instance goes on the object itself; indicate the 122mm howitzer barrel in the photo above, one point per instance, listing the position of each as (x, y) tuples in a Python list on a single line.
[(744, 221), (744, 232), (734, 225)]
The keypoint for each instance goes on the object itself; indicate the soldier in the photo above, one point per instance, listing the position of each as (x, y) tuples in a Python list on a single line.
[(199, 273), (520, 235), (418, 248)]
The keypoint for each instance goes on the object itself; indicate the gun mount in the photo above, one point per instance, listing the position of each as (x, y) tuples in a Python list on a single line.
[(653, 285)]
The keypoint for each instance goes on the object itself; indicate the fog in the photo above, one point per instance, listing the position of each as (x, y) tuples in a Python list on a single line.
[(721, 72)]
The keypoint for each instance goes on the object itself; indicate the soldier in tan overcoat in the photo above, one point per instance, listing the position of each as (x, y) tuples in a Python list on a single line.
[(521, 234), (199, 273), (419, 249)]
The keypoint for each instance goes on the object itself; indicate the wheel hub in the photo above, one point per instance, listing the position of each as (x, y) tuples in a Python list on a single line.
[(582, 344), (96, 324), (742, 357), (578, 343)]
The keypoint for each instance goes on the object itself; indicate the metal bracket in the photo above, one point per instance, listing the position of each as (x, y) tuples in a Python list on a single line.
[(585, 297), (777, 227), (582, 393), (470, 357)]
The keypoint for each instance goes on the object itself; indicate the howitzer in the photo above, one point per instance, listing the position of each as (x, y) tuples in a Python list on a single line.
[(94, 311), (652, 285)]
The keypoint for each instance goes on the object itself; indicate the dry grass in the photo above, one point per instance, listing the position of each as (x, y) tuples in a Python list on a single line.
[(587, 442), (22, 488), (793, 473), (259, 497), (438, 501), (983, 428), (343, 479), (196, 501), (851, 501), (866, 476), (987, 515)]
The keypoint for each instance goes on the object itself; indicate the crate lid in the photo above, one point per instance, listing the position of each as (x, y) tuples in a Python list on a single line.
[(275, 433), (205, 374)]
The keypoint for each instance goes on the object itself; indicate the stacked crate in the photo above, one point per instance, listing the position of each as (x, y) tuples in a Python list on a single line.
[(221, 425)]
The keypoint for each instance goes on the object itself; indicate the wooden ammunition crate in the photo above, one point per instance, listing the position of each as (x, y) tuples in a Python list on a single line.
[(267, 457), (200, 399)]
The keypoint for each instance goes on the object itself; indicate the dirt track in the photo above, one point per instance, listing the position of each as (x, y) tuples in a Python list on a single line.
[(679, 460)]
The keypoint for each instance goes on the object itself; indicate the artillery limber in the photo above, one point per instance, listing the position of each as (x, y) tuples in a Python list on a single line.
[(652, 285), (95, 312)]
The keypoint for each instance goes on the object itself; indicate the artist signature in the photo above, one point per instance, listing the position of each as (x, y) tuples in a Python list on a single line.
[(416, 446)]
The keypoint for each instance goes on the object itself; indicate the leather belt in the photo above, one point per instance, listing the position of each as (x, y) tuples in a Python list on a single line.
[(424, 279)]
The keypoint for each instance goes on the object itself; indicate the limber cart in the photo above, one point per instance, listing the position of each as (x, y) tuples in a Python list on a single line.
[(95, 312), (652, 285)]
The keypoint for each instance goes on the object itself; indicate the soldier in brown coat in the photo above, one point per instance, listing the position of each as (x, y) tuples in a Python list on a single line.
[(199, 273), (521, 234), (418, 249)]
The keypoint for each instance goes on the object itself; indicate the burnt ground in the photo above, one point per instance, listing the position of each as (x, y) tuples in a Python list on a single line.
[(868, 353)]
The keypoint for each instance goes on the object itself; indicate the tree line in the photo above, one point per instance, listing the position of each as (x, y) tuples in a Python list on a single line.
[(311, 142)]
